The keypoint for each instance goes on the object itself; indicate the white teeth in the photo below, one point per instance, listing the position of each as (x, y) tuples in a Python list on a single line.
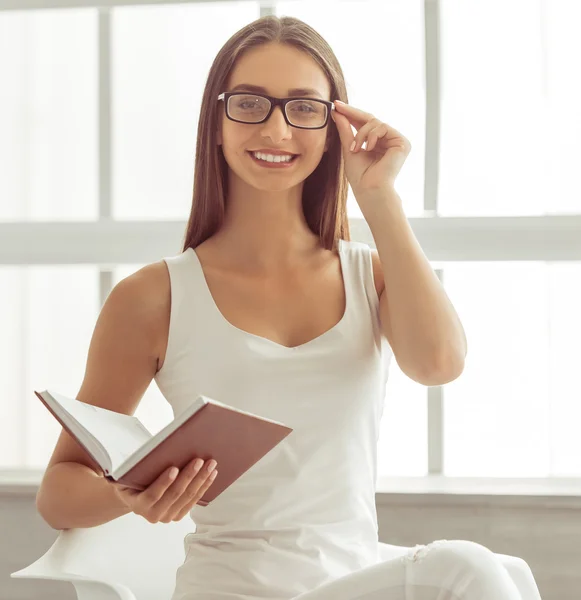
[(271, 158)]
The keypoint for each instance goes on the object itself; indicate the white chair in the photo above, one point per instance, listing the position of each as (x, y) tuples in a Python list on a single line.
[(125, 559), (131, 559)]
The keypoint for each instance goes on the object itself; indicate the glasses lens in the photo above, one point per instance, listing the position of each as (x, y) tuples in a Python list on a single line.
[(306, 113), (250, 108)]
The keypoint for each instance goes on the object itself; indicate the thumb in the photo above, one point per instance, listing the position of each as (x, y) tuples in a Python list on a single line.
[(344, 128)]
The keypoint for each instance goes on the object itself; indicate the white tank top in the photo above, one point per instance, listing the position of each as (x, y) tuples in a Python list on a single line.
[(305, 513)]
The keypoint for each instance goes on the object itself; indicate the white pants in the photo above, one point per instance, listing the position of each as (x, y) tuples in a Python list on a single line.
[(442, 570)]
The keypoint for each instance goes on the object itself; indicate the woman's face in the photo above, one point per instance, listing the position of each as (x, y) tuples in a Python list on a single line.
[(278, 69)]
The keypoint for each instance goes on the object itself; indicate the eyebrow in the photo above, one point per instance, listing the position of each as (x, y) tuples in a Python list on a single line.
[(261, 90)]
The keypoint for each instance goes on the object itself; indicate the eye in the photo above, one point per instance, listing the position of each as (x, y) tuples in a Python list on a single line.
[(298, 106)]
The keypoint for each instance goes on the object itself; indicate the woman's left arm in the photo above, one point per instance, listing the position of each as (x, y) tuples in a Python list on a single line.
[(417, 317)]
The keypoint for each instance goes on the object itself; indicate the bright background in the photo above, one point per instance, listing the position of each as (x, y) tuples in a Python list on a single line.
[(509, 97)]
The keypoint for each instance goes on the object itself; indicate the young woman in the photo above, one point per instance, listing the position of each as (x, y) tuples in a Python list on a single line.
[(271, 308)]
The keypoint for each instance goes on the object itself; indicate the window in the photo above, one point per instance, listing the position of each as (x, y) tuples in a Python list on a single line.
[(99, 145), (47, 314), (49, 115)]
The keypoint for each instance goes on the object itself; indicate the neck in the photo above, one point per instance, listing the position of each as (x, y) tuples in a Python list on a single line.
[(267, 232)]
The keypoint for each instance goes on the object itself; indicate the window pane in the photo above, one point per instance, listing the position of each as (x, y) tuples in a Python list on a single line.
[(47, 315), (403, 441), (161, 58), (396, 34), (48, 115), (510, 110), (515, 410)]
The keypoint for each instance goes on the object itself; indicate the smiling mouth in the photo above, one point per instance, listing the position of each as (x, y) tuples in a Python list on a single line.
[(285, 162)]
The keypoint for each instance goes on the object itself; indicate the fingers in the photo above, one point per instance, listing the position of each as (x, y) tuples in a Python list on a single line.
[(169, 499), (157, 490), (363, 133), (195, 489), (192, 489), (188, 506), (356, 116), (374, 135), (174, 491), (188, 488)]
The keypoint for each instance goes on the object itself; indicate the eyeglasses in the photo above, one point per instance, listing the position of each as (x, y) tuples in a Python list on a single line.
[(304, 113)]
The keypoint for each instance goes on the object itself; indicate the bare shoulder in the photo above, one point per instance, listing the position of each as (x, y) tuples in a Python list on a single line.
[(151, 281), (149, 287), (377, 272)]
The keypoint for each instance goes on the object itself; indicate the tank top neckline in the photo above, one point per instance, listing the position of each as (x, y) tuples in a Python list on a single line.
[(282, 347)]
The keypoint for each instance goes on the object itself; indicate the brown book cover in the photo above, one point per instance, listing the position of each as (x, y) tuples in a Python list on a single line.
[(207, 429)]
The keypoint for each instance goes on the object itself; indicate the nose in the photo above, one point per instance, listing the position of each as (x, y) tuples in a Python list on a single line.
[(276, 127)]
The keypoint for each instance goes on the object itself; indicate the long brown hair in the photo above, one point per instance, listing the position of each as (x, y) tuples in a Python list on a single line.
[(324, 197)]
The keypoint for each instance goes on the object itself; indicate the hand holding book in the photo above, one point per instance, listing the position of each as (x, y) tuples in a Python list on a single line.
[(131, 457), (172, 495)]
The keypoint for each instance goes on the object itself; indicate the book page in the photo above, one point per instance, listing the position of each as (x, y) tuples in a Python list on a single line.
[(160, 436), (121, 435)]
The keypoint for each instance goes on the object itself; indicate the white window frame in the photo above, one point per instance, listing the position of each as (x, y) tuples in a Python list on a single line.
[(107, 243)]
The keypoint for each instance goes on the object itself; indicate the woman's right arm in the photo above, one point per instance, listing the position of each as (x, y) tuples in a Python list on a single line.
[(121, 362)]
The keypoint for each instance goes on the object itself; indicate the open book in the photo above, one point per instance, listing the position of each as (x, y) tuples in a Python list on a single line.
[(129, 454)]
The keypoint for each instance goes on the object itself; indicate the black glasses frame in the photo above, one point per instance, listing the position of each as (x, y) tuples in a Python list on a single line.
[(282, 102)]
